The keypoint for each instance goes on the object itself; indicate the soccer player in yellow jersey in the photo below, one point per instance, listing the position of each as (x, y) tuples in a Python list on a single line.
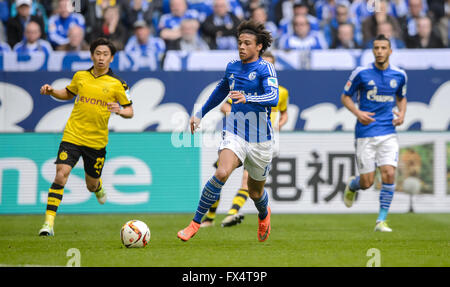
[(278, 117), (98, 92)]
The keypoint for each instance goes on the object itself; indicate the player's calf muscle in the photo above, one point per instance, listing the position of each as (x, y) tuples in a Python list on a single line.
[(366, 180), (92, 187)]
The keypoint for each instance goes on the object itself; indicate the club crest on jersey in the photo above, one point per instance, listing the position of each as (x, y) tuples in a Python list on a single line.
[(393, 83), (273, 82), (252, 76)]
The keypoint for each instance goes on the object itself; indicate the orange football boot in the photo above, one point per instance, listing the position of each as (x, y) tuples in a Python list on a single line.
[(264, 227), (189, 232)]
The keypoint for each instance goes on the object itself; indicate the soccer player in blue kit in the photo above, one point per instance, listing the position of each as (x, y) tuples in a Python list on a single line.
[(247, 137), (379, 87)]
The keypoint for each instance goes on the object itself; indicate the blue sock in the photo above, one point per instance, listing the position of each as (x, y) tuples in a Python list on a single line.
[(386, 195), (354, 184), (210, 194), (261, 205)]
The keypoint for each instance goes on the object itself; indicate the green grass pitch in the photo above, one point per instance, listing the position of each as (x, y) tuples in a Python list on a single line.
[(295, 240)]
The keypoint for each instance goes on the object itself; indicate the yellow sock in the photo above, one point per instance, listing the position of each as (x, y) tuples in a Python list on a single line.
[(100, 185), (212, 210), (55, 194), (238, 201), (49, 219)]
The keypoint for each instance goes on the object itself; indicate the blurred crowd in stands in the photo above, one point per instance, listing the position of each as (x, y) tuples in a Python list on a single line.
[(147, 27)]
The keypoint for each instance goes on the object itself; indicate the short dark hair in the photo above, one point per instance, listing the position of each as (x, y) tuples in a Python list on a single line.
[(382, 37), (102, 41), (262, 35), (300, 3)]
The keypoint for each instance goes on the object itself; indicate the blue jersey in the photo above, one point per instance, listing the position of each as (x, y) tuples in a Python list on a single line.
[(4, 47), (171, 21), (313, 41), (376, 92), (58, 27), (258, 82), (39, 46), (205, 8)]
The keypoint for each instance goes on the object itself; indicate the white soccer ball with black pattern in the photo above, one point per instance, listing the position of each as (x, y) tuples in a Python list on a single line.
[(135, 233)]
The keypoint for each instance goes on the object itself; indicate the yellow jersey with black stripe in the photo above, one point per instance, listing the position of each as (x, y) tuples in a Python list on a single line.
[(283, 101), (88, 122)]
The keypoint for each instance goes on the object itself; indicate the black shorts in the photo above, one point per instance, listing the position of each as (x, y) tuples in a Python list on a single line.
[(93, 159)]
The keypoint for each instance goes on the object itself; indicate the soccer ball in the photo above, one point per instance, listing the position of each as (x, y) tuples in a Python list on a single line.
[(135, 233), (412, 185)]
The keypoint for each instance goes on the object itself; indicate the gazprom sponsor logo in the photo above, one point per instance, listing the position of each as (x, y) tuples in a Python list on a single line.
[(380, 98), (372, 96)]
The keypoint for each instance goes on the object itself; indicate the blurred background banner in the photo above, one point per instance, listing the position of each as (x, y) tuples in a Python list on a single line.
[(143, 173), (416, 169), (164, 101), (312, 170), (164, 172)]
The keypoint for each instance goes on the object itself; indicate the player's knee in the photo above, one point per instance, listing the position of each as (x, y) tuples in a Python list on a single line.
[(255, 194), (389, 178), (61, 177), (388, 175), (222, 174)]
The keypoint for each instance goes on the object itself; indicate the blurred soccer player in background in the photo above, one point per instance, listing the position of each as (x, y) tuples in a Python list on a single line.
[(278, 118), (98, 92), (380, 88), (247, 138)]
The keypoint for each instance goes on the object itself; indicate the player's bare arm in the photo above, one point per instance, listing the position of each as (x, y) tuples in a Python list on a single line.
[(283, 119), (61, 94), (194, 123), (238, 97), (125, 112), (225, 108), (401, 105), (363, 117)]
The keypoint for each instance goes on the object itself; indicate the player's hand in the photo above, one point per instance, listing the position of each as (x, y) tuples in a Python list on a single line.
[(194, 124), (238, 97), (399, 120), (46, 89), (365, 117), (113, 107)]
